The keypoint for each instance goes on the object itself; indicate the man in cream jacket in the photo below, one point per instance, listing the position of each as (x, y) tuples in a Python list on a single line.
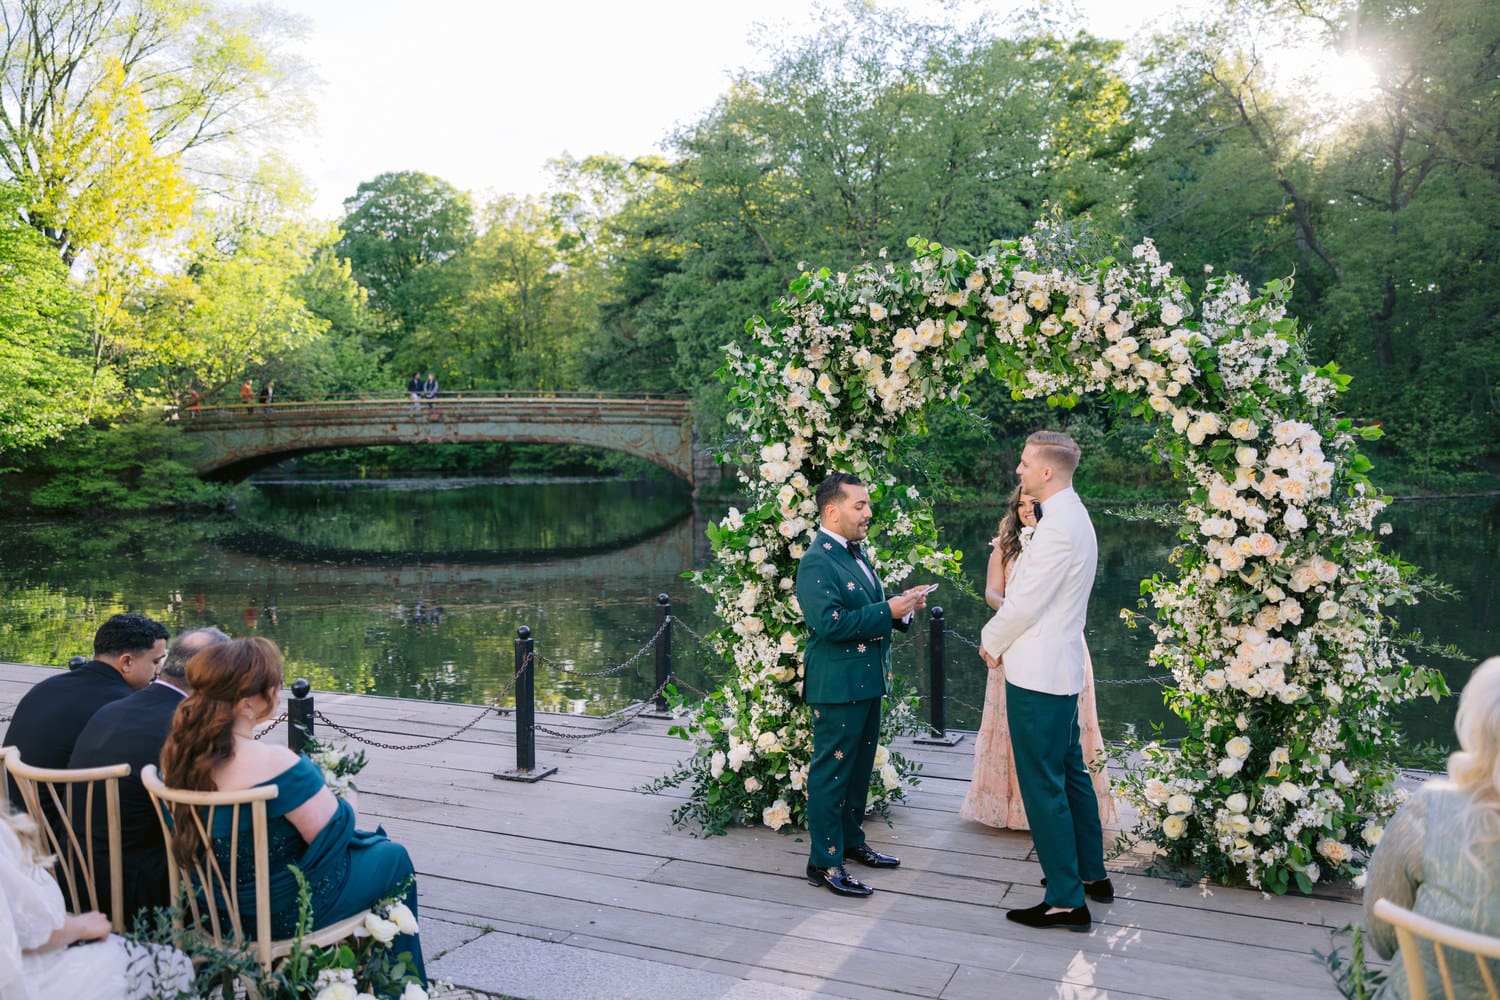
[(1038, 633)]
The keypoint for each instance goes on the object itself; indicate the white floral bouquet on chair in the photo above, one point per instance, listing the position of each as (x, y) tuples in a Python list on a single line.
[(338, 764)]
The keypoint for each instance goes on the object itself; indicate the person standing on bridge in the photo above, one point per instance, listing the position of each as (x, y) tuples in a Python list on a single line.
[(430, 389), (247, 392), (267, 393), (414, 390)]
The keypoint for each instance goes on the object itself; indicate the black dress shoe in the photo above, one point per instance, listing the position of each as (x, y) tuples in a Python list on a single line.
[(1077, 920), (866, 855), (838, 880), (1102, 891)]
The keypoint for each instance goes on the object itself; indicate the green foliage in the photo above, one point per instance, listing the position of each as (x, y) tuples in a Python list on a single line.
[(135, 465), (43, 353)]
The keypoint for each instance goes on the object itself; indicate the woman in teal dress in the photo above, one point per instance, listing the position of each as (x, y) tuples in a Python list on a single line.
[(236, 685)]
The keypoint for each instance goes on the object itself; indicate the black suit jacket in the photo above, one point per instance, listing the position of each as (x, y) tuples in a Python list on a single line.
[(50, 716), (132, 730)]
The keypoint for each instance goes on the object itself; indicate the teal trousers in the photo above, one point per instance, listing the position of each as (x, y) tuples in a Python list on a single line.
[(838, 779), (1057, 791)]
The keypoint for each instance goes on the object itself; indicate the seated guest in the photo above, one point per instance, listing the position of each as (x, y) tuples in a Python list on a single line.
[(46, 953), (132, 730), (236, 685), (1440, 855), (128, 650)]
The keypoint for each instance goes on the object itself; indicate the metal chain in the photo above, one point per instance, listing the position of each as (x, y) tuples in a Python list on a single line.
[(683, 683), (650, 644), (959, 701), (406, 746), (590, 734), (689, 628), (274, 723), (961, 638)]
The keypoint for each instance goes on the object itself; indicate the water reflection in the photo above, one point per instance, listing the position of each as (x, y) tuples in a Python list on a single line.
[(416, 589)]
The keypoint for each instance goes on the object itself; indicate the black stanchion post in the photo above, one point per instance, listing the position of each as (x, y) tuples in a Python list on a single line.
[(663, 650), (299, 716), (937, 694), (526, 769)]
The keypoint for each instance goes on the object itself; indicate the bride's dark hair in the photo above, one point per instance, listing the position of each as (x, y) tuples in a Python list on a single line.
[(203, 726)]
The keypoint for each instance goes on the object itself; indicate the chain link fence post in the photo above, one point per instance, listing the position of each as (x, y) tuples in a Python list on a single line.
[(663, 651), (299, 716), (525, 769), (937, 694)]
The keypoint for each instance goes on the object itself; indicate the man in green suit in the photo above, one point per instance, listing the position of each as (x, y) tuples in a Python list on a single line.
[(847, 674)]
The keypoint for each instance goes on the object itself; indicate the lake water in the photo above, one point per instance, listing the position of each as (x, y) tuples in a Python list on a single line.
[(415, 588)]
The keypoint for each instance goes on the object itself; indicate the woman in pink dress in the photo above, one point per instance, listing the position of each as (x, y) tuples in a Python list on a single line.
[(994, 798)]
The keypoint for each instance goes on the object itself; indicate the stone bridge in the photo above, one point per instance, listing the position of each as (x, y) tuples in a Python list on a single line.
[(235, 441)]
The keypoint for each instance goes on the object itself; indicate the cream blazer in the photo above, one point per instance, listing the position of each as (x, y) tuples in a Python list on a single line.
[(1039, 627)]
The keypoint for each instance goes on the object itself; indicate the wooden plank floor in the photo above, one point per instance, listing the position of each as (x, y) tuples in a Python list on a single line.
[(582, 857)]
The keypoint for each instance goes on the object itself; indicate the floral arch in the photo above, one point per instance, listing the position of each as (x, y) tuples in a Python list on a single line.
[(1283, 660)]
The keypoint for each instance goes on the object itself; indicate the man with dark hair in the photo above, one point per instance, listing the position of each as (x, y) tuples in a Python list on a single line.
[(847, 665), (128, 650), (132, 730)]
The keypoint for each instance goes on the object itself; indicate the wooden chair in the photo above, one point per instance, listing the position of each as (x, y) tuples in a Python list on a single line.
[(207, 880), (64, 803), (1413, 930)]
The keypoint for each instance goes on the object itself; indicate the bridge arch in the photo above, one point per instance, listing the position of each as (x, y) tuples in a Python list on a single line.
[(235, 441)]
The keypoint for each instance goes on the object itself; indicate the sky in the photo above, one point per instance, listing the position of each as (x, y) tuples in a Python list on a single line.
[(484, 94)]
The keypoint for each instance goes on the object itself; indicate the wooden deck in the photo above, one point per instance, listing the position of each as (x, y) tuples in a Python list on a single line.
[(583, 858)]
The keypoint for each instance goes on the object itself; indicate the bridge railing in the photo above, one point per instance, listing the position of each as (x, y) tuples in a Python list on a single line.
[(384, 405)]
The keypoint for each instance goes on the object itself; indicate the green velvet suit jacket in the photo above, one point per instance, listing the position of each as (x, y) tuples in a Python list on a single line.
[(848, 652)]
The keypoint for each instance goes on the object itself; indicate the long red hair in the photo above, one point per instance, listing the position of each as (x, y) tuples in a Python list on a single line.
[(202, 734)]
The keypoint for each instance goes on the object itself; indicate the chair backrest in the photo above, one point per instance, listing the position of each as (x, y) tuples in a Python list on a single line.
[(65, 804), (1453, 949), (206, 881)]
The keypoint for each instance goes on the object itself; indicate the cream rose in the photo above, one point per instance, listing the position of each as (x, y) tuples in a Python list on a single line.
[(776, 815), (1174, 827), (1180, 803)]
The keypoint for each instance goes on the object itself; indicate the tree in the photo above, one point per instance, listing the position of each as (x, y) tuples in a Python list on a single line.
[(399, 228), (102, 102), (43, 353)]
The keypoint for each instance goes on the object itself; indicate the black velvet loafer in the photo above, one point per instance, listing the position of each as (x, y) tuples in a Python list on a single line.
[(866, 855), (1102, 891), (838, 880), (1077, 920)]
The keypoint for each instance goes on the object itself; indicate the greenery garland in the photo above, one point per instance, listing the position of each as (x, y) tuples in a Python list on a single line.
[(1274, 629)]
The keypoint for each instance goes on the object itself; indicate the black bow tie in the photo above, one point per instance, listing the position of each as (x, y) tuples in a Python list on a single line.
[(853, 548)]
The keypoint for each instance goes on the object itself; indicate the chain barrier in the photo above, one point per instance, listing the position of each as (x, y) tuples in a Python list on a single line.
[(582, 733), (961, 638), (1098, 681), (689, 629), (650, 645), (274, 723), (959, 701), (406, 746)]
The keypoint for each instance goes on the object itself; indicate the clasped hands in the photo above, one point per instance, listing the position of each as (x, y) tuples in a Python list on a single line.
[(910, 600)]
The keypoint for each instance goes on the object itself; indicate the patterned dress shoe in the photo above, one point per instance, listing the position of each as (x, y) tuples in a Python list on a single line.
[(866, 855), (838, 880), (1077, 920), (1102, 891)]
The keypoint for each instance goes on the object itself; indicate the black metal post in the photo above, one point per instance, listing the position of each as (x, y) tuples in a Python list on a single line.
[(937, 694), (299, 716), (525, 700), (663, 650), (526, 769)]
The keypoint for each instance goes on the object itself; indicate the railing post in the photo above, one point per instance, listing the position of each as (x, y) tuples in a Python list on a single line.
[(663, 649), (299, 716), (525, 688), (937, 694)]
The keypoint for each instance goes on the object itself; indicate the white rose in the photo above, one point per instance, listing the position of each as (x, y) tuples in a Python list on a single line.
[(338, 991), (776, 815), (1290, 791), (406, 921), (716, 764), (767, 742), (1245, 455), (380, 929), (1238, 747), (1230, 766), (1171, 314), (1243, 430), (889, 778), (881, 756), (1341, 774), (1334, 850), (1261, 826), (1214, 680), (1372, 834), (1239, 823), (1180, 803), (1237, 803), (413, 992), (752, 784), (1157, 793), (878, 312), (1174, 826)]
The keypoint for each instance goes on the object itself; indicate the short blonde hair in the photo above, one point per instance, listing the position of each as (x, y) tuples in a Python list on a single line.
[(1057, 450)]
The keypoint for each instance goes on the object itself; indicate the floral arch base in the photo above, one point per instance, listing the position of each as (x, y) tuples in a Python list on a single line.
[(1283, 660)]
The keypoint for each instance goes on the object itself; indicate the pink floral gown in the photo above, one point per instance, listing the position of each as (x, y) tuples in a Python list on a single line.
[(994, 798)]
